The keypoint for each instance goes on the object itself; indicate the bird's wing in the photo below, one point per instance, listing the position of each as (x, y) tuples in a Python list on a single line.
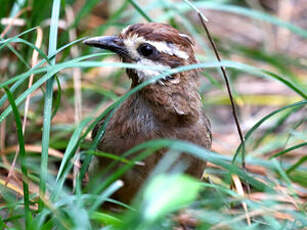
[(207, 126)]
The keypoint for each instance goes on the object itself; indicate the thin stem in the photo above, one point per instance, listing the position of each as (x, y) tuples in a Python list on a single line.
[(223, 69)]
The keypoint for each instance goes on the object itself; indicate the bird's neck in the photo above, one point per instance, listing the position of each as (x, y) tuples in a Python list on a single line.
[(173, 103)]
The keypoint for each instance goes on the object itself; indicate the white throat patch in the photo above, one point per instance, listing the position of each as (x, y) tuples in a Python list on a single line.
[(146, 74)]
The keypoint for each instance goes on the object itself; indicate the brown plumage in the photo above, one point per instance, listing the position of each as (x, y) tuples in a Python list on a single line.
[(168, 108)]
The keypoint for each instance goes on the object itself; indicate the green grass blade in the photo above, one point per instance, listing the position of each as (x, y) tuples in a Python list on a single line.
[(85, 10), (20, 57), (288, 83), (147, 148), (288, 150), (22, 154), (4, 42), (86, 64), (106, 194), (105, 218), (297, 164), (261, 121), (20, 40), (53, 35), (140, 10), (37, 70), (71, 146), (57, 99), (182, 8)]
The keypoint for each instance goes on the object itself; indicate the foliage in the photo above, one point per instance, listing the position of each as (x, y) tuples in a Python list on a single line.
[(41, 193)]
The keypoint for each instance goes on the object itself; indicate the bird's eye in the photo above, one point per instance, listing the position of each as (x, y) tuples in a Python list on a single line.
[(146, 49)]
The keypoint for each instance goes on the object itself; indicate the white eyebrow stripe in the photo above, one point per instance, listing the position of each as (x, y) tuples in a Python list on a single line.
[(169, 48), (187, 37), (164, 47), (125, 30)]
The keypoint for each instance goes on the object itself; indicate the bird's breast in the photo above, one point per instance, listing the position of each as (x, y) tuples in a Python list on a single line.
[(133, 123)]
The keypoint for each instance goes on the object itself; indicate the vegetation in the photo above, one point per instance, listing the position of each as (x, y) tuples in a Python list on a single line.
[(54, 90)]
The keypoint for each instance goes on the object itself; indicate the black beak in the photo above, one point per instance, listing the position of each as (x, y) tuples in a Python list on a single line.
[(112, 43)]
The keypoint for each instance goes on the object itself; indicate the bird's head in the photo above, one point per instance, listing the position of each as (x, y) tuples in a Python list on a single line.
[(149, 44)]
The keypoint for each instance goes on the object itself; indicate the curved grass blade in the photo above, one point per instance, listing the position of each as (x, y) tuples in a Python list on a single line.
[(260, 122), (115, 17), (19, 56), (288, 150), (85, 10), (297, 164), (110, 156), (147, 148), (4, 42), (73, 142), (288, 83), (86, 64), (182, 8), (41, 53), (279, 122), (140, 10), (105, 218), (106, 194), (37, 70), (22, 154), (167, 193), (21, 78)]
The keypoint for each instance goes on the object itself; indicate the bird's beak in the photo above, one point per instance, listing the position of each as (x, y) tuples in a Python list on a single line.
[(112, 43)]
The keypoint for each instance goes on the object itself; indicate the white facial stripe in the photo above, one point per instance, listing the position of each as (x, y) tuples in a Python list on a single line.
[(134, 41), (131, 43), (146, 74), (169, 48), (186, 37), (125, 29)]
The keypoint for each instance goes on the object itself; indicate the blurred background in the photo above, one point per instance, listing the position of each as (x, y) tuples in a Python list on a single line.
[(267, 35), (244, 33)]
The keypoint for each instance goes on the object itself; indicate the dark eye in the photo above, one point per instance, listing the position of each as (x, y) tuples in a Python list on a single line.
[(146, 49)]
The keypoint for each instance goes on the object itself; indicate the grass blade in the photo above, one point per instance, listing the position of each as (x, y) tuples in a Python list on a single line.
[(260, 122), (48, 99), (139, 9), (22, 154), (288, 150), (182, 8)]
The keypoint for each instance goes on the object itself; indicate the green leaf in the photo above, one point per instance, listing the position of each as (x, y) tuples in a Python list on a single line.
[(168, 193), (105, 218)]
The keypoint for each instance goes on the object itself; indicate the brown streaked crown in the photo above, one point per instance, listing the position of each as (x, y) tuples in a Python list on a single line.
[(157, 32)]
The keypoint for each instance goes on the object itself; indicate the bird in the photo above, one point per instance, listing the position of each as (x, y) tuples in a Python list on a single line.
[(170, 107)]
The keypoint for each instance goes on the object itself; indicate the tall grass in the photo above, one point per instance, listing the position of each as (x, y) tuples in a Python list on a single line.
[(40, 195)]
